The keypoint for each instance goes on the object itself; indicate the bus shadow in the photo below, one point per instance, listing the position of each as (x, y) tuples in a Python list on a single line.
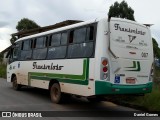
[(71, 101), (68, 100)]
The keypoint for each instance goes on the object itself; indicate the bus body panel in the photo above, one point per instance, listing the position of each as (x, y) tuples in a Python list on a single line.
[(73, 75), (130, 57), (132, 45)]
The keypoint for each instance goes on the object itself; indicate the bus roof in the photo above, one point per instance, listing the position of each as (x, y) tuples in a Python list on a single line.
[(60, 29)]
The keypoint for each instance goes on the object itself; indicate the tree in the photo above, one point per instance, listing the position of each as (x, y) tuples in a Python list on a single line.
[(26, 24), (156, 49), (121, 10), (13, 39)]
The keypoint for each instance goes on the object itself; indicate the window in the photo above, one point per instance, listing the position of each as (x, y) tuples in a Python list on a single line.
[(71, 36), (26, 51), (39, 54), (79, 35), (80, 50), (40, 42), (26, 55), (58, 46), (55, 39), (15, 51), (64, 38), (40, 48), (57, 52), (90, 33), (25, 45), (82, 43)]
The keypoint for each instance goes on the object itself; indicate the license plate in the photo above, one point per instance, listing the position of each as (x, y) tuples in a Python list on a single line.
[(131, 80)]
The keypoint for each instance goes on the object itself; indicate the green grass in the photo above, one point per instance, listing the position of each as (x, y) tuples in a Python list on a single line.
[(150, 101), (3, 70)]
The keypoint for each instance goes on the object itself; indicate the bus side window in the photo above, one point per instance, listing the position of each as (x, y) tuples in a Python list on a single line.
[(64, 37), (40, 42), (90, 33), (83, 44), (26, 51), (14, 52), (79, 35), (58, 46), (25, 45), (71, 36), (40, 48)]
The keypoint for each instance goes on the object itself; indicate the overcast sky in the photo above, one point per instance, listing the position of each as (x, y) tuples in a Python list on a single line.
[(49, 12)]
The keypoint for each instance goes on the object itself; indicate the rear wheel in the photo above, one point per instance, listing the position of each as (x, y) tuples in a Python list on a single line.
[(15, 85), (55, 93)]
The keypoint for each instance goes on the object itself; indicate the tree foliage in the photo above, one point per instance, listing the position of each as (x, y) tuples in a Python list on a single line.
[(13, 39), (26, 24), (121, 10), (156, 49)]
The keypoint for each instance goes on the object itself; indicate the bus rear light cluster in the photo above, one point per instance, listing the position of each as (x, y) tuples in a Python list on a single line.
[(104, 68)]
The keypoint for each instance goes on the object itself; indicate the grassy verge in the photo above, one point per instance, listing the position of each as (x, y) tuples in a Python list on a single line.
[(3, 70), (151, 101), (148, 102)]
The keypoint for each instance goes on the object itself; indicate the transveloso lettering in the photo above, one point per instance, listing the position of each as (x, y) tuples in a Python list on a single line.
[(135, 31), (49, 67)]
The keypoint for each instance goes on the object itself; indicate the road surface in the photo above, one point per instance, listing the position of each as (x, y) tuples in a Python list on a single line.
[(33, 99)]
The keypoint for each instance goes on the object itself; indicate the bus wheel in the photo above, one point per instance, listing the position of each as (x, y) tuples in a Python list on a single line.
[(15, 85), (55, 93)]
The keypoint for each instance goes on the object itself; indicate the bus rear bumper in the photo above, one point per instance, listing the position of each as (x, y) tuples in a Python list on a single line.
[(105, 88)]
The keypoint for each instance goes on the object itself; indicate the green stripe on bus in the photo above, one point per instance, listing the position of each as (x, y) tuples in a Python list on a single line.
[(66, 78), (136, 66)]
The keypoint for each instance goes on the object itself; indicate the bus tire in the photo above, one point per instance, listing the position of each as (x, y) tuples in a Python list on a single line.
[(55, 93), (15, 85)]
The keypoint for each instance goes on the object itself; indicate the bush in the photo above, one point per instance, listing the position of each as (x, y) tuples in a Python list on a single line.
[(3, 70)]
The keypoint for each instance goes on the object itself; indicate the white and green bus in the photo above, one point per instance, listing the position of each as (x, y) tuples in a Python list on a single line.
[(90, 59)]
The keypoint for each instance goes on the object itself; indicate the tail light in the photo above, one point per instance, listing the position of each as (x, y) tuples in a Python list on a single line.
[(104, 69)]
